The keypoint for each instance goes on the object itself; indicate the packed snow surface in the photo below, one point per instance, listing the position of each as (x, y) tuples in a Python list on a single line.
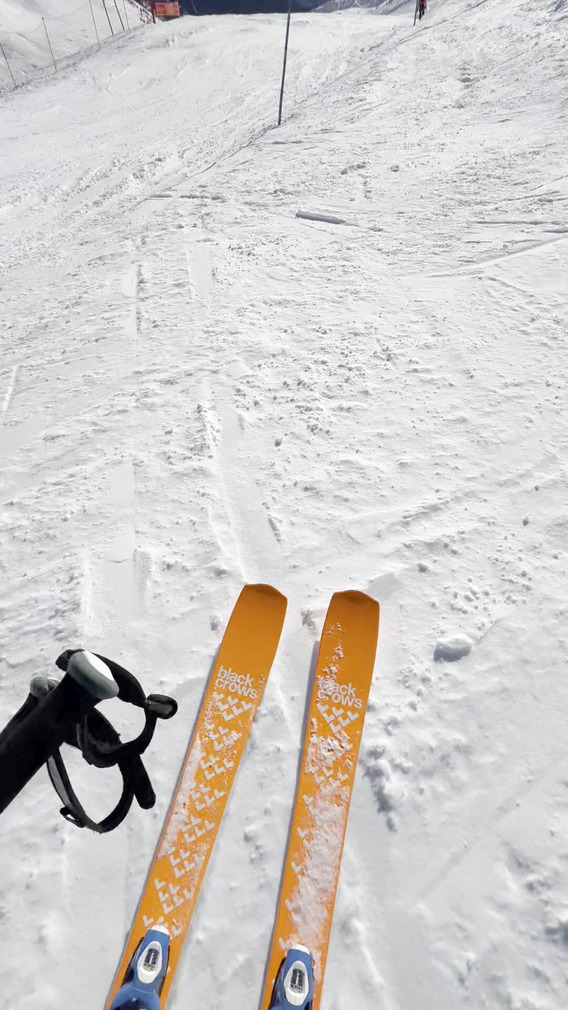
[(326, 356)]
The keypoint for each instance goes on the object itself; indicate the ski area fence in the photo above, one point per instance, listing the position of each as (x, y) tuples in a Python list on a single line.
[(56, 42)]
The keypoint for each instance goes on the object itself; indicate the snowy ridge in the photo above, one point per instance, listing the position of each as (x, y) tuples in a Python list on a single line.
[(200, 388)]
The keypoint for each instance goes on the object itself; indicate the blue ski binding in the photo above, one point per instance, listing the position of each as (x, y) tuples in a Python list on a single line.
[(294, 985), (145, 974)]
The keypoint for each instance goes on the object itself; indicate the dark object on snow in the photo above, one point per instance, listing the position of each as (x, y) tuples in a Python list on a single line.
[(206, 7), (419, 10), (57, 712)]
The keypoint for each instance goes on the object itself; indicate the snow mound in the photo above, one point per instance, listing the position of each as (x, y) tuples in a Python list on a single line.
[(452, 648)]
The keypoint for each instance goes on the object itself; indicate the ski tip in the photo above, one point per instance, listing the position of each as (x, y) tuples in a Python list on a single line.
[(356, 597), (263, 589)]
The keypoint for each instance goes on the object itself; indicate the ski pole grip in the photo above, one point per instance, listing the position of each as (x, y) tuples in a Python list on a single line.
[(92, 675), (41, 726)]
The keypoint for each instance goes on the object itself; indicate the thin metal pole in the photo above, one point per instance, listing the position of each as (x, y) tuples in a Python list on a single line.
[(288, 20), (8, 65), (95, 23), (415, 11), (108, 19), (119, 17), (49, 44), (126, 15)]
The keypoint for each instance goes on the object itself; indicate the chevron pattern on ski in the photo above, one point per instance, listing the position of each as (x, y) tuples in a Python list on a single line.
[(231, 699), (338, 700)]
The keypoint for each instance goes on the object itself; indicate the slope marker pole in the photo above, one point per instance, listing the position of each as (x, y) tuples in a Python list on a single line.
[(288, 20)]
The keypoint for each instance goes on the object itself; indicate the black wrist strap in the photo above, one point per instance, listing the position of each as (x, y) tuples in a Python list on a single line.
[(101, 746)]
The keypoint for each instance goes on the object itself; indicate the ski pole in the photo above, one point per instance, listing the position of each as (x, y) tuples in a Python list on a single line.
[(45, 719)]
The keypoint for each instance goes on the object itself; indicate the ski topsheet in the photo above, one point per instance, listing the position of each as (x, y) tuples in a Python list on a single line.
[(232, 696), (334, 725)]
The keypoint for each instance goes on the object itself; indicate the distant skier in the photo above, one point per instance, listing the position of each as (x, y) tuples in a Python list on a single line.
[(421, 9)]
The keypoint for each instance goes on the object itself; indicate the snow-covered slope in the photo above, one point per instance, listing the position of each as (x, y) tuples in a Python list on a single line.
[(18, 16), (328, 355)]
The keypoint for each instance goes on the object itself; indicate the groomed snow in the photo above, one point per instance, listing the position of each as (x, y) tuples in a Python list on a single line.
[(326, 356)]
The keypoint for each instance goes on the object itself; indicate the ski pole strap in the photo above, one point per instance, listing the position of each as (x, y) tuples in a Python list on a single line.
[(101, 746)]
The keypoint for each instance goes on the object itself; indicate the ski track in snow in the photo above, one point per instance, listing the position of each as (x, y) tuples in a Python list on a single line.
[(326, 356)]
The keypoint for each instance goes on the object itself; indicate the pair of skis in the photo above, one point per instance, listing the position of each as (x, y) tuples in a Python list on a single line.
[(338, 700)]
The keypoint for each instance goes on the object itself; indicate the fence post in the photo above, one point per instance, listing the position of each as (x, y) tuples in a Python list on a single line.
[(108, 18), (8, 65), (49, 44), (95, 23), (119, 17), (289, 18)]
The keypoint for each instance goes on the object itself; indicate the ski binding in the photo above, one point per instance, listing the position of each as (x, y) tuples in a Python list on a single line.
[(294, 985), (145, 974)]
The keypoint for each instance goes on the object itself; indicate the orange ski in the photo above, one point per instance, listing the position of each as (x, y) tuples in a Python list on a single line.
[(232, 696), (338, 701)]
